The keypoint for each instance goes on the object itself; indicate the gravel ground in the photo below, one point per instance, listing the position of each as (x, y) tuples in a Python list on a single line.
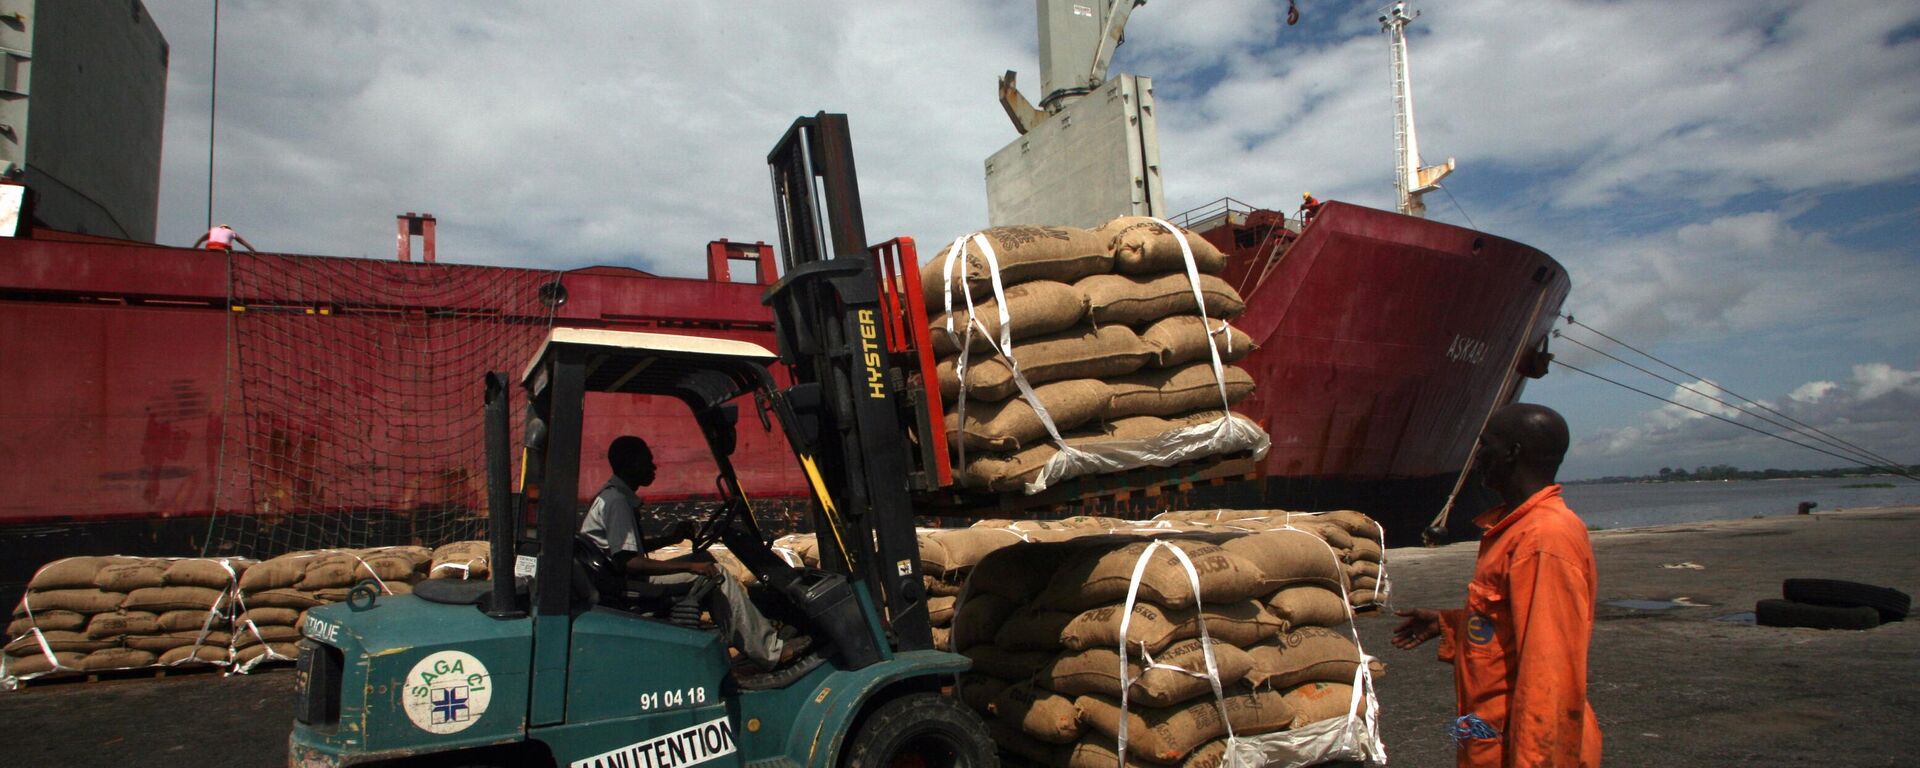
[(1678, 686)]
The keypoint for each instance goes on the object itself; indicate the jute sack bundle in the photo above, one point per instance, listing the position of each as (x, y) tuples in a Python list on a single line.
[(1011, 472), (1024, 254), (1110, 351), (1176, 391), (1134, 300), (1363, 569), (1314, 702), (116, 658), (128, 576), (1305, 655), (279, 572), (80, 600), (1096, 751), (964, 548), (1030, 628), (1154, 628), (72, 572), (192, 620), (1335, 536), (249, 656), (267, 615), (335, 570), (1356, 523), (943, 638), (1095, 522), (1215, 515), (107, 626), (1141, 246), (1366, 549), (1097, 670), (1182, 339), (210, 572), (203, 654), (1168, 734), (76, 642), (1362, 598), (167, 641), (1290, 557), (1034, 309), (977, 690), (48, 621), (37, 664), (1100, 575), (163, 599), (1017, 571), (256, 634), (282, 598), (461, 560), (1012, 424), (1308, 605), (1005, 664), (940, 587), (977, 618), (1038, 712), (940, 610)]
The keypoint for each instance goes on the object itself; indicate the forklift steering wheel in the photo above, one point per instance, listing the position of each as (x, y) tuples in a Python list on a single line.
[(710, 531)]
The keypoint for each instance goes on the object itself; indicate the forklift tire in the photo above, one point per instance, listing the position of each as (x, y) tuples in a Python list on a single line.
[(1891, 603), (922, 730), (1787, 613)]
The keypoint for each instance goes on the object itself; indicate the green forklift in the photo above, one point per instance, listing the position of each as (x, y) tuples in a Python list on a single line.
[(556, 660)]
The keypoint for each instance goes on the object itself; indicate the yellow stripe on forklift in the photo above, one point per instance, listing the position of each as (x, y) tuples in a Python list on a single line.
[(826, 503)]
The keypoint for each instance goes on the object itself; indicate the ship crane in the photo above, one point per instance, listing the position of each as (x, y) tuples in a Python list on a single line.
[(1410, 179), (1072, 62)]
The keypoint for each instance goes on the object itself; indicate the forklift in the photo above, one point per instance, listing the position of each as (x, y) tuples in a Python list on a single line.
[(557, 660)]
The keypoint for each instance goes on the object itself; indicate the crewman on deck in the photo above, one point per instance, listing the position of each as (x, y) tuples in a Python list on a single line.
[(222, 238), (1309, 207), (1519, 647)]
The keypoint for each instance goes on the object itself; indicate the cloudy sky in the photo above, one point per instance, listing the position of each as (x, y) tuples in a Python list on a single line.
[(1733, 185)]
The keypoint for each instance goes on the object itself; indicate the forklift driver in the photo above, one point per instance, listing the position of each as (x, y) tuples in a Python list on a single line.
[(612, 523)]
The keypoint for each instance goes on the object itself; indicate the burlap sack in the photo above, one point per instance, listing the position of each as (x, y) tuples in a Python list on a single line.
[(282, 598), (168, 641), (1015, 571), (1141, 300), (1095, 522), (933, 555), (1179, 340), (942, 638), (937, 586), (1142, 247), (1096, 750), (116, 658), (277, 573), (1366, 550), (1241, 623), (249, 653), (191, 654), (1305, 655), (1011, 472), (246, 635), (1035, 309), (1360, 569), (1032, 629), (966, 547), (269, 615), (1024, 254), (70, 573), (940, 610), (1101, 575), (86, 600), (205, 572), (106, 626), (417, 555), (1361, 598), (1335, 536), (163, 599), (460, 560), (1356, 523), (1097, 670), (1011, 424), (1290, 557), (77, 642), (48, 621), (1110, 351), (1040, 713), (1363, 583), (978, 617), (1006, 664), (37, 664), (1150, 629), (977, 691), (129, 576), (1175, 391), (1304, 605), (334, 570), (1167, 734), (1315, 702)]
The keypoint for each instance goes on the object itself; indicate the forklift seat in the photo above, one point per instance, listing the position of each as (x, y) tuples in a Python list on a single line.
[(598, 581)]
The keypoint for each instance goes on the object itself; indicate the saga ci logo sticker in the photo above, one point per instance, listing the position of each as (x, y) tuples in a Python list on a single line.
[(447, 692)]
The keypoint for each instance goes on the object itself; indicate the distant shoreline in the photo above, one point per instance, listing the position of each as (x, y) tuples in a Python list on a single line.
[(1724, 473)]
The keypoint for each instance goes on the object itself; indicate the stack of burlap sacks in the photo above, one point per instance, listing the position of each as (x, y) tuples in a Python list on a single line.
[(1105, 329), (1042, 624), (96, 614), (274, 596), (1356, 539)]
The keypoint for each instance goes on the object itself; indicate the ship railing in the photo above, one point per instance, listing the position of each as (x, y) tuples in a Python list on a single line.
[(1225, 210)]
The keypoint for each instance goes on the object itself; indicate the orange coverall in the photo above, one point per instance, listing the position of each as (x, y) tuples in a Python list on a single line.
[(1519, 648)]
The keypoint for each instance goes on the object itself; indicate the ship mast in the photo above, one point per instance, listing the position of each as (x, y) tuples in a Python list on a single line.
[(1409, 178)]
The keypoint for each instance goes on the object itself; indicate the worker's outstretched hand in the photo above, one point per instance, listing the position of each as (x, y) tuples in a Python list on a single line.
[(701, 568), (1422, 624)]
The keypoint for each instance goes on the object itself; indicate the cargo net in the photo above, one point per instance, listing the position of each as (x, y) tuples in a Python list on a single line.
[(360, 394)]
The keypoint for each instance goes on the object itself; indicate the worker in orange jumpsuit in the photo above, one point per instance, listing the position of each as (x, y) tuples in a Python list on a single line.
[(1309, 207), (1519, 647)]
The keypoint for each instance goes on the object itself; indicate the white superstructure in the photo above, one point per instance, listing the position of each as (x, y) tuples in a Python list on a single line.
[(1410, 179)]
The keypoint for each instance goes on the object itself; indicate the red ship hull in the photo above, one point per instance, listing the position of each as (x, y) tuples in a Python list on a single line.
[(1383, 343)]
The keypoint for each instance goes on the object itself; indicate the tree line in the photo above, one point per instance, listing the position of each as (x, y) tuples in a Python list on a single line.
[(1730, 472)]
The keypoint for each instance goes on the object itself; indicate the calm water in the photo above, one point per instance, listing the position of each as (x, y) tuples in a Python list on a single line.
[(1627, 505)]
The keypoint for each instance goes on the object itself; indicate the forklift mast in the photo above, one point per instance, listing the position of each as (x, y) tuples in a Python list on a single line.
[(847, 319)]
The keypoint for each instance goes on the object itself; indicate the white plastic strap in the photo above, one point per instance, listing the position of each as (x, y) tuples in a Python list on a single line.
[(1206, 641), (1200, 306)]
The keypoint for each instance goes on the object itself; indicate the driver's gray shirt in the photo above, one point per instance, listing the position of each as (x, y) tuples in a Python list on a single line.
[(612, 520)]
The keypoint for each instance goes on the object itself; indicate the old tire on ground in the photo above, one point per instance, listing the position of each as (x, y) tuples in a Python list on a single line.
[(922, 730), (1891, 603), (1787, 613)]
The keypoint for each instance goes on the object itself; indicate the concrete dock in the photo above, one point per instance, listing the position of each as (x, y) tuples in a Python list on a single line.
[(1675, 686)]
